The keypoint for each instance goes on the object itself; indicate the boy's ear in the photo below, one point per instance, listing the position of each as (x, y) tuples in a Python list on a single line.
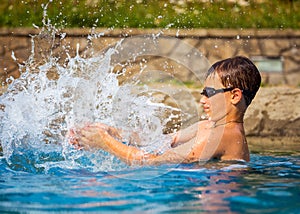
[(236, 96)]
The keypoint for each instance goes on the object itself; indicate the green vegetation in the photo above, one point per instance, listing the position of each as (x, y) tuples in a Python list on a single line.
[(279, 14)]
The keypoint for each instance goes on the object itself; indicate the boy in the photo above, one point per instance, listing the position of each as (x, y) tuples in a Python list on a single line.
[(230, 86)]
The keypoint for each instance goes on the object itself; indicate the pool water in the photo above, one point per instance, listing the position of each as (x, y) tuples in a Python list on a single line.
[(41, 173), (269, 183)]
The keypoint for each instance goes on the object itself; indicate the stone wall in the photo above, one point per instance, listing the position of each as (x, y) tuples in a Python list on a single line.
[(282, 46)]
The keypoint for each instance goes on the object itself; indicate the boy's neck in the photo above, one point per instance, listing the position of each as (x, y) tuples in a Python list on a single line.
[(230, 118)]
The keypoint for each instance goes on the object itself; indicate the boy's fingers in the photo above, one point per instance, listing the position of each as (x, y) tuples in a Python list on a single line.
[(102, 126), (71, 133)]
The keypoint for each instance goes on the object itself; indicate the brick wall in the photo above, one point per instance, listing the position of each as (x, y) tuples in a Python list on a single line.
[(281, 46)]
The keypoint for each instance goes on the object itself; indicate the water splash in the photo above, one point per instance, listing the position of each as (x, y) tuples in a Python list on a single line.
[(56, 92)]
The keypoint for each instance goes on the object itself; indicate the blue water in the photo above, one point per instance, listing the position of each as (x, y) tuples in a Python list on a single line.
[(269, 183), (41, 172)]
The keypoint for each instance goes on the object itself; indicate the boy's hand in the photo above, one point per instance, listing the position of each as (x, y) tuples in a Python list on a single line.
[(110, 130), (91, 136)]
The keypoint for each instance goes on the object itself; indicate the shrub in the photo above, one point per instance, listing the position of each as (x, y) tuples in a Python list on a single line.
[(153, 13)]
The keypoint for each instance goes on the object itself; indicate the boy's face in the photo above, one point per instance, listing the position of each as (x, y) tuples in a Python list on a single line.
[(215, 106)]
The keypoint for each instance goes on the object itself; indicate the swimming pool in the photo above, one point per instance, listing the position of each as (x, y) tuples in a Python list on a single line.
[(40, 172), (269, 183)]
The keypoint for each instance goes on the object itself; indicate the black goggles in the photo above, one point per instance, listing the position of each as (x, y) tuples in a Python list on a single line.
[(209, 92)]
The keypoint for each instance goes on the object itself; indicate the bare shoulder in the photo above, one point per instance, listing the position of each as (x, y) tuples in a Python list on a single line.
[(235, 145)]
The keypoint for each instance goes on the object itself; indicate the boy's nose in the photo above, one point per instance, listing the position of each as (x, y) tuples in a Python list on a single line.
[(203, 99)]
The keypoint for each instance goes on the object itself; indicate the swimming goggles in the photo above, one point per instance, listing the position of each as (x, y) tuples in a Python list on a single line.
[(209, 92)]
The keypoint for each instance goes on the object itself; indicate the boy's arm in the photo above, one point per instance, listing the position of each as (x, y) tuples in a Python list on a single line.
[(185, 135), (93, 137)]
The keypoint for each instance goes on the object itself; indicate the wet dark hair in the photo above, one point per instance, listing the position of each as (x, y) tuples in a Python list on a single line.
[(238, 72)]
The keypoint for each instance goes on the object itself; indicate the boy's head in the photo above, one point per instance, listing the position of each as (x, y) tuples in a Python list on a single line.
[(238, 72)]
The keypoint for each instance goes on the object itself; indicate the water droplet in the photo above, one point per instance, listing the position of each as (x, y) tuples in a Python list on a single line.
[(13, 56)]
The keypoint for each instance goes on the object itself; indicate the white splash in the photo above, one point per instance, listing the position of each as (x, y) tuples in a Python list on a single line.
[(40, 109)]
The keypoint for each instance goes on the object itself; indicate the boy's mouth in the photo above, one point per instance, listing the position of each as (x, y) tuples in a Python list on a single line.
[(206, 108)]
